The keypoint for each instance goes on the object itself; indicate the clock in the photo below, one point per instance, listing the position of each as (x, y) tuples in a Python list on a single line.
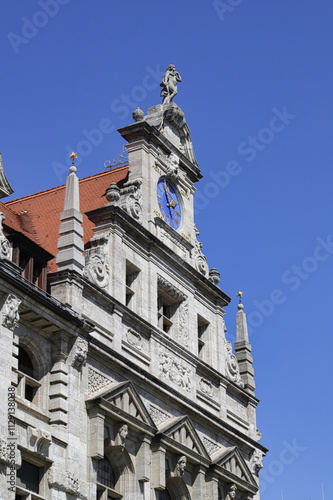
[(169, 203)]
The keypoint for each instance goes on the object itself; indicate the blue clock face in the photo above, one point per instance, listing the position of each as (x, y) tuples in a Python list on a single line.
[(169, 203)]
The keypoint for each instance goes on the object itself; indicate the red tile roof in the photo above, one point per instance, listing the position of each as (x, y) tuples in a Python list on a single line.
[(37, 216)]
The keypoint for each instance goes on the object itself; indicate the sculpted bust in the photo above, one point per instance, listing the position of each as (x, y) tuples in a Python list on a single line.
[(180, 466)]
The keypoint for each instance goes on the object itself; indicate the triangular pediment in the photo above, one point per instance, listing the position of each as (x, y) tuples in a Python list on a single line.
[(5, 187), (232, 462), (125, 398), (182, 431)]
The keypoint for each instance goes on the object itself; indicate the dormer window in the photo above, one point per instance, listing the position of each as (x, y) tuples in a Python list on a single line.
[(31, 259)]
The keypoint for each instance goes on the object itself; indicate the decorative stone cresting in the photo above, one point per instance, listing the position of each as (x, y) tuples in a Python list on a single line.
[(10, 314), (170, 289), (199, 258), (232, 368), (214, 276), (176, 371), (80, 353), (96, 380), (4, 243)]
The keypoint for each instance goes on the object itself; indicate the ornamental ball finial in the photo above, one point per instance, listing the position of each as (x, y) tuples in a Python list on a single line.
[(240, 305)]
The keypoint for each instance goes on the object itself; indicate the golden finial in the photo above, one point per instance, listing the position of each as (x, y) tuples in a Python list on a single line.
[(73, 156), (73, 167), (240, 295)]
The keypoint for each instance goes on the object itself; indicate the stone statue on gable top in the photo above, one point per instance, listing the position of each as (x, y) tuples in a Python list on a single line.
[(169, 84)]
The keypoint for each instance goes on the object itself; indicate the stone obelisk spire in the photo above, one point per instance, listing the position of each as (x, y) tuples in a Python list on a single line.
[(243, 348), (70, 244)]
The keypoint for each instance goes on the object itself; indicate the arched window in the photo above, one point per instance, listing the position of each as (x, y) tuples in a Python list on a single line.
[(28, 384), (106, 480), (105, 473), (163, 495)]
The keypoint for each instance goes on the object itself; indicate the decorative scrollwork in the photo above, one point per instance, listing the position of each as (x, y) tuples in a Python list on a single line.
[(232, 368)]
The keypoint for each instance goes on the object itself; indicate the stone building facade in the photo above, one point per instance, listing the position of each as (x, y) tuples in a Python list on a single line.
[(117, 380)]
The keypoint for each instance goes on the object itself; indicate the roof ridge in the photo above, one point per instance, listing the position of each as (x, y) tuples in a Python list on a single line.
[(62, 186)]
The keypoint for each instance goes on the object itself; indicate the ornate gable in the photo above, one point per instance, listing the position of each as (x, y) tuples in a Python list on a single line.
[(233, 467), (124, 400), (181, 432)]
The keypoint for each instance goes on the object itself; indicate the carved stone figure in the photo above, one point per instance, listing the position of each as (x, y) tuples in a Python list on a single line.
[(256, 462), (97, 270), (232, 492), (10, 312), (169, 84), (80, 353), (180, 466), (173, 167), (121, 434)]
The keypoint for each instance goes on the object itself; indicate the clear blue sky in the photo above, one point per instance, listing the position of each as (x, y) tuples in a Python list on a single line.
[(257, 92)]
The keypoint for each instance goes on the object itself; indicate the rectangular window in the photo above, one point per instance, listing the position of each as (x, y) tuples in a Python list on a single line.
[(167, 308), (202, 329), (28, 482), (132, 273)]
